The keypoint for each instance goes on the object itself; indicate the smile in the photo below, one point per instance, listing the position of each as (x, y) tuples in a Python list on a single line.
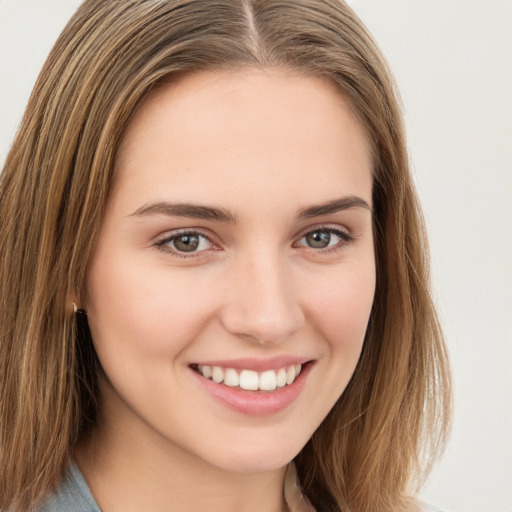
[(253, 387), (250, 380)]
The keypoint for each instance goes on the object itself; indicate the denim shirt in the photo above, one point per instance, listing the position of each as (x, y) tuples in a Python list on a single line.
[(73, 495)]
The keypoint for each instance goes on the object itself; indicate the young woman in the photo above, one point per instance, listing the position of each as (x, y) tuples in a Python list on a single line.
[(213, 269)]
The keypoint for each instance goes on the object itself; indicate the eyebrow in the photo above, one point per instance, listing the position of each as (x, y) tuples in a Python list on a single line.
[(196, 211), (189, 210), (336, 205)]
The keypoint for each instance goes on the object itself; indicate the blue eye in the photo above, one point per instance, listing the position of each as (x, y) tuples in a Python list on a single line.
[(324, 238), (186, 243)]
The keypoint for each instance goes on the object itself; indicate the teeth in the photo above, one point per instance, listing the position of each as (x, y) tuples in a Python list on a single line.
[(290, 375), (250, 380), (217, 374), (268, 380), (231, 378), (281, 378)]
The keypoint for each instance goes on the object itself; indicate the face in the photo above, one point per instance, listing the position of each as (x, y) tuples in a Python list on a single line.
[(231, 286)]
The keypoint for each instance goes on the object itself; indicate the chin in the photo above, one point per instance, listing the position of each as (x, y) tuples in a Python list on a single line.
[(255, 464), (257, 457)]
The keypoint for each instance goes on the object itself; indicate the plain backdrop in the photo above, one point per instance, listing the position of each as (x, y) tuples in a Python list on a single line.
[(453, 63)]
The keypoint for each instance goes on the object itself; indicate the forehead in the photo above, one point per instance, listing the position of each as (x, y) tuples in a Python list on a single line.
[(250, 127)]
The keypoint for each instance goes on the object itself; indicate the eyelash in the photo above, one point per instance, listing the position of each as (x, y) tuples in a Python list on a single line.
[(345, 238), (161, 244)]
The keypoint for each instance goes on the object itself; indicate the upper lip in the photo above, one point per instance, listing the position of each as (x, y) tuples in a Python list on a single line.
[(257, 365)]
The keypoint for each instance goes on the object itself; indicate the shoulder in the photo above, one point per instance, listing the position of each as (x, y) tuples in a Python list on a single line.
[(73, 495)]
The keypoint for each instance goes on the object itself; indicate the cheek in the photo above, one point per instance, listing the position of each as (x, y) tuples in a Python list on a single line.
[(340, 304), (144, 311)]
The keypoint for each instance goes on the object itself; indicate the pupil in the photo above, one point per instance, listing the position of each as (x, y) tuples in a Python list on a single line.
[(318, 239), (187, 243)]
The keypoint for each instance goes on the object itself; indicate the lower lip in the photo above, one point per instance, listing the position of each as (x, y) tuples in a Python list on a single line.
[(255, 403)]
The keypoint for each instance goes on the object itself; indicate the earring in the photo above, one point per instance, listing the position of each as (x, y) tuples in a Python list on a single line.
[(82, 325), (78, 311)]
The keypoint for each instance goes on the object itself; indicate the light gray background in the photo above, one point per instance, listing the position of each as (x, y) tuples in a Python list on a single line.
[(453, 64)]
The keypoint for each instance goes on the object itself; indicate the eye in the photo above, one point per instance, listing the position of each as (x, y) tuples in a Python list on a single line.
[(185, 242), (324, 238)]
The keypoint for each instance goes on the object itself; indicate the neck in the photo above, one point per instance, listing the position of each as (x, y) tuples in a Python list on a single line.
[(127, 471)]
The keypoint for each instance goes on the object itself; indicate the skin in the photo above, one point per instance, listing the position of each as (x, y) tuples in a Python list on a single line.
[(262, 145)]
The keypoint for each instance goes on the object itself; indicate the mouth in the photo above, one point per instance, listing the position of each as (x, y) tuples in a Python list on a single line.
[(251, 380), (253, 388)]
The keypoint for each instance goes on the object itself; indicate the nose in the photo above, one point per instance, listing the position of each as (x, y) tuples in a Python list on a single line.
[(261, 302)]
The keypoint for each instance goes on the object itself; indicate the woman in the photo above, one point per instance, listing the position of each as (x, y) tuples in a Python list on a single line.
[(222, 269)]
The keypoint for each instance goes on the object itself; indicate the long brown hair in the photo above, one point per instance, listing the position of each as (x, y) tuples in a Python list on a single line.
[(393, 417)]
